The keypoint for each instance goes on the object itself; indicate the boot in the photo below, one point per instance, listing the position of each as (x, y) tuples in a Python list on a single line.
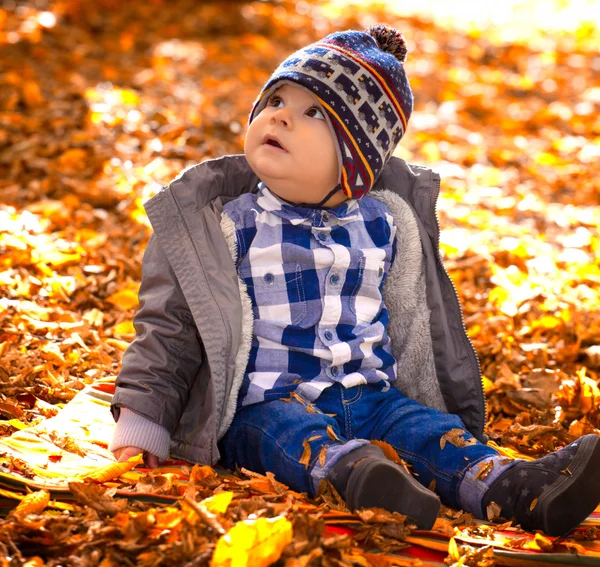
[(554, 493), (365, 478)]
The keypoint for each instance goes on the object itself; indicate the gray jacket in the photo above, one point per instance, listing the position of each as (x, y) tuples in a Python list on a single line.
[(194, 326)]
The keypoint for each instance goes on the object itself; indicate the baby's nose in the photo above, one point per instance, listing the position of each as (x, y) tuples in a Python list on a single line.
[(282, 117)]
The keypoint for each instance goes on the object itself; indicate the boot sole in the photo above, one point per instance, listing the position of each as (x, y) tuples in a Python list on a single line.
[(572, 498), (383, 484)]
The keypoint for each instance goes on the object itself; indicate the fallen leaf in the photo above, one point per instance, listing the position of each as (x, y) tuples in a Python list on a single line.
[(332, 434), (218, 503), (112, 471), (306, 454), (33, 503), (322, 455), (253, 543), (454, 436), (493, 511), (484, 469)]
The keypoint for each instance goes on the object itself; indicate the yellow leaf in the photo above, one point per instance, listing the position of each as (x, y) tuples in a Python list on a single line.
[(17, 424), (253, 543), (34, 562), (124, 329), (124, 299), (56, 258), (453, 549), (112, 471), (539, 543), (33, 503), (218, 503), (488, 385), (117, 343)]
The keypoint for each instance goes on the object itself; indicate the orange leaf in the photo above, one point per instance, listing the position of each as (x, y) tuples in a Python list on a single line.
[(484, 469), (112, 471), (332, 434), (389, 452), (322, 455), (33, 503), (305, 459), (124, 299), (200, 472)]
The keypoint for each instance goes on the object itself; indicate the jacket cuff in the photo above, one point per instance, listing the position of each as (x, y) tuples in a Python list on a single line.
[(133, 430)]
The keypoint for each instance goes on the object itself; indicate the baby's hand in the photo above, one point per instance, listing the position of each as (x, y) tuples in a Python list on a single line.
[(124, 453)]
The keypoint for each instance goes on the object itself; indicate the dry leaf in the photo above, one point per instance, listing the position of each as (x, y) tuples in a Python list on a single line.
[(454, 436), (112, 471), (322, 455), (33, 503), (306, 454), (332, 434), (493, 511), (484, 469)]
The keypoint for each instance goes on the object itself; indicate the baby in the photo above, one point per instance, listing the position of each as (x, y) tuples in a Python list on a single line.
[(293, 307)]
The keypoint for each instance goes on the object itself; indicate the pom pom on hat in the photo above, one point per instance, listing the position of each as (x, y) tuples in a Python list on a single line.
[(358, 77), (389, 40)]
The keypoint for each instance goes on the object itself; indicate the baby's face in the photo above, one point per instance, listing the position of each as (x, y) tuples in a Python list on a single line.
[(292, 150)]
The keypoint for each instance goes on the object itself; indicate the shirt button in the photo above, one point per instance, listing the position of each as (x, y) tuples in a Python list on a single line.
[(334, 370), (322, 236), (269, 278), (325, 217), (328, 335), (334, 279)]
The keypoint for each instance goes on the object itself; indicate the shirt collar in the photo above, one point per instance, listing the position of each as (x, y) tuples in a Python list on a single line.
[(296, 214)]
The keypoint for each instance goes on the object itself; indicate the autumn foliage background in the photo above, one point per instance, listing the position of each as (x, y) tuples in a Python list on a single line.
[(103, 102)]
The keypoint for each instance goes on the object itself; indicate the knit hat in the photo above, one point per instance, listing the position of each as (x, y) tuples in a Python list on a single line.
[(359, 79)]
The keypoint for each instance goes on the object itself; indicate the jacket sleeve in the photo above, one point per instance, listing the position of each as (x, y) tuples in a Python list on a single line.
[(162, 362)]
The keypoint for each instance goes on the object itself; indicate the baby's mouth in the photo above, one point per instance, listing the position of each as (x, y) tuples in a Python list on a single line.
[(273, 142)]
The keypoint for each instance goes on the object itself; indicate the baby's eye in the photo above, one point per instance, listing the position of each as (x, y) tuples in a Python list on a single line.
[(315, 112), (275, 101)]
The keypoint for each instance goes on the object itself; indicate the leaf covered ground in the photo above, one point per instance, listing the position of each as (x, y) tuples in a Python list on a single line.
[(103, 102)]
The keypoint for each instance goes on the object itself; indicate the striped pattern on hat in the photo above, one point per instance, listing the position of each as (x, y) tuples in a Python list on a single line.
[(364, 91)]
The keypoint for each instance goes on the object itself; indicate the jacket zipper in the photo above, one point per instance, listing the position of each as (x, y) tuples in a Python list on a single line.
[(483, 405)]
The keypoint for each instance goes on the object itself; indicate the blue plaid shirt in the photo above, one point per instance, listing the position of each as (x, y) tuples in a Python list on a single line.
[(314, 277)]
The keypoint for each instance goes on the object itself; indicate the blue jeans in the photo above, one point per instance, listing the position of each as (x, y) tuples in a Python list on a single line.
[(273, 436)]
